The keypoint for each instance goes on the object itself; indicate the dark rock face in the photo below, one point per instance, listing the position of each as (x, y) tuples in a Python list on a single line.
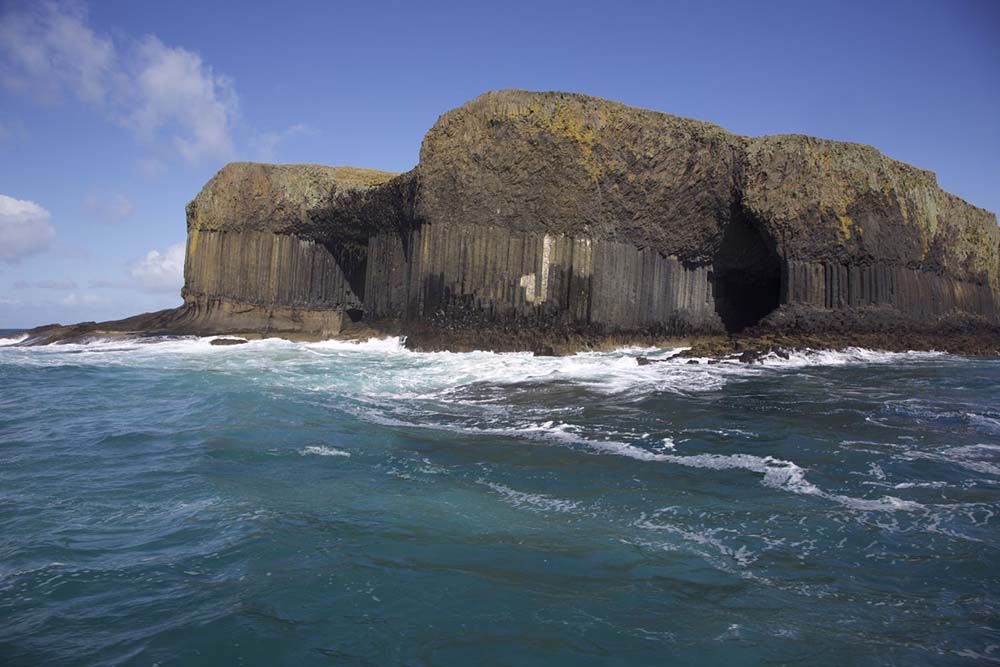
[(544, 221), (571, 165), (281, 249), (225, 342)]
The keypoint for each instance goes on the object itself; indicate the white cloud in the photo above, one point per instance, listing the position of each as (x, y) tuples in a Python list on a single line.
[(80, 299), (176, 91), (48, 50), (160, 271), (24, 229), (56, 284), (110, 209), (45, 284), (107, 284), (264, 145), (150, 167)]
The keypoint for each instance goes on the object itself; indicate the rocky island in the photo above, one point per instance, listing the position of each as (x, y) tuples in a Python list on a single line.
[(556, 222)]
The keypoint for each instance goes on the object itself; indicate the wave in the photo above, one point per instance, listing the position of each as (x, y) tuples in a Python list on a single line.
[(848, 356), (322, 450), (775, 473), (982, 458), (13, 340)]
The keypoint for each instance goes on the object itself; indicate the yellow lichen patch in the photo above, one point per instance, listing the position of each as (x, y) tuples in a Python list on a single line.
[(360, 176), (561, 120), (570, 126), (846, 225)]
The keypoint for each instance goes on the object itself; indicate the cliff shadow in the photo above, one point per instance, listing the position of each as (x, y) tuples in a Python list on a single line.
[(746, 273)]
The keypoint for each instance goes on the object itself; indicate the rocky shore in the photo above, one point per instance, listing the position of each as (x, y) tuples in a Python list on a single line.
[(555, 222)]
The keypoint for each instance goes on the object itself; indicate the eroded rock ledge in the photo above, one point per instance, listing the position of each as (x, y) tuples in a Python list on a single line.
[(554, 221)]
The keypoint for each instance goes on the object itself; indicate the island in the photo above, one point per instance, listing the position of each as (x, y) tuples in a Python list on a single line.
[(556, 222)]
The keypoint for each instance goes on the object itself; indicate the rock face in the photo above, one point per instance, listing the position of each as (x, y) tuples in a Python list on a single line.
[(539, 217), (265, 253)]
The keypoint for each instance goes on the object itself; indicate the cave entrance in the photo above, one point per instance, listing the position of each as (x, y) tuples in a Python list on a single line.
[(746, 274)]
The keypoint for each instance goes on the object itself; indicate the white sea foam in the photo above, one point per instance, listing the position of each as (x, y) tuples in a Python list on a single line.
[(532, 501), (988, 424), (394, 385), (983, 458), (775, 473), (848, 356), (13, 341), (391, 344), (705, 537), (322, 450), (385, 369), (921, 485)]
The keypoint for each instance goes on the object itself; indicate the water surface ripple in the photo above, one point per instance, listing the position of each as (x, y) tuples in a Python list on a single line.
[(169, 502)]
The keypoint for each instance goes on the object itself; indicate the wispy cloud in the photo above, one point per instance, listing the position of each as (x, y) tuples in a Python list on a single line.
[(150, 167), (108, 208), (264, 145), (108, 284), (48, 51), (24, 229), (178, 94), (80, 299), (160, 271), (46, 284)]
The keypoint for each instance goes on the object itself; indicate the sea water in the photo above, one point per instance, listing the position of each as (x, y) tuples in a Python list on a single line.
[(169, 502)]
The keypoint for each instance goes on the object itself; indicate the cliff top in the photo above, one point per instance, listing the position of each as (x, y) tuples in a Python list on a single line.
[(584, 118), (254, 195)]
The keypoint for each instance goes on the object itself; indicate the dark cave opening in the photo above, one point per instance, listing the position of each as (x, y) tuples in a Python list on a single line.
[(746, 274)]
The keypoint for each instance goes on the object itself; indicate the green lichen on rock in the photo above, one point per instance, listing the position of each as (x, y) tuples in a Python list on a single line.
[(836, 201)]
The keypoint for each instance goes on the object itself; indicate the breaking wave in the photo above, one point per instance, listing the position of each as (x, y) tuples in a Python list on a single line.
[(13, 340)]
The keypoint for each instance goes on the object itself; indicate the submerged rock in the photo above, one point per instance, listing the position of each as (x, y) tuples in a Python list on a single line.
[(553, 221), (228, 341)]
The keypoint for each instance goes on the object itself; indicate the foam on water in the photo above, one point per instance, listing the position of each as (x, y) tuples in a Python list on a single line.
[(532, 501), (14, 340), (385, 377), (403, 374), (166, 475), (775, 473), (322, 450)]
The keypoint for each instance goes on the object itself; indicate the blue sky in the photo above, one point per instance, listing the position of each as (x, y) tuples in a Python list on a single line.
[(113, 114)]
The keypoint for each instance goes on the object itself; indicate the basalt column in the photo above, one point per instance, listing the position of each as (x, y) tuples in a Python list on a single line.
[(459, 276)]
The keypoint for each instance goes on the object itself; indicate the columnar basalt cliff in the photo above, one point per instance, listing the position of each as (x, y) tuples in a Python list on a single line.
[(264, 251), (541, 217)]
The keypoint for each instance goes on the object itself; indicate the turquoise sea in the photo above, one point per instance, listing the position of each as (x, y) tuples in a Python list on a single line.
[(167, 502)]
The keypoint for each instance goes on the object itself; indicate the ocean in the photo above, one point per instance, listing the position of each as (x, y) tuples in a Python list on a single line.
[(167, 502)]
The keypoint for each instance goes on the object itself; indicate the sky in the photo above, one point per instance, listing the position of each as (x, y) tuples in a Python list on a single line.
[(113, 114)]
